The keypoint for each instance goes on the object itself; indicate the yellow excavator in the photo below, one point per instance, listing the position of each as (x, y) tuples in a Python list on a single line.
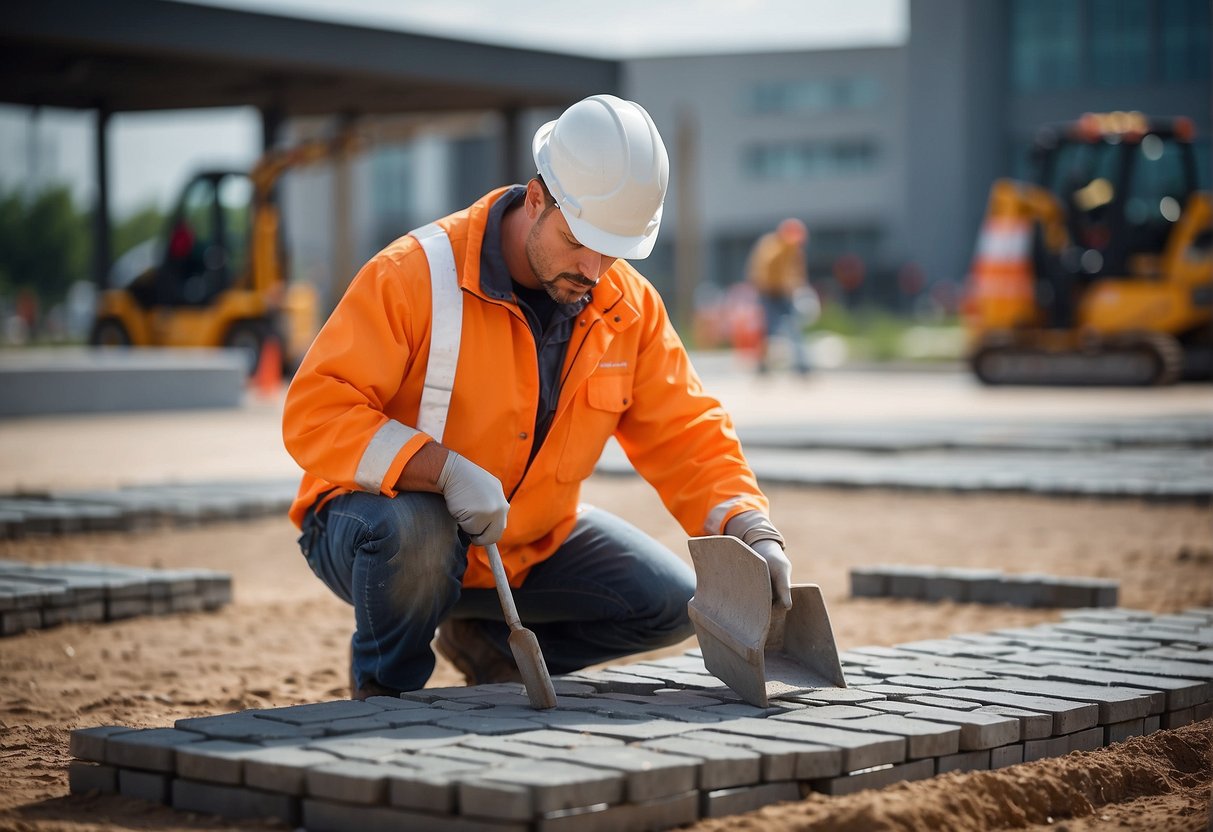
[(220, 280), (1101, 271)]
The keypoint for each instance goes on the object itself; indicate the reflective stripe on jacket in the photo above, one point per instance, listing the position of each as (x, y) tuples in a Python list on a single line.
[(353, 407)]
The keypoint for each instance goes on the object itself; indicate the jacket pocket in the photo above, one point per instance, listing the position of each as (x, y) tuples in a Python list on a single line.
[(592, 419)]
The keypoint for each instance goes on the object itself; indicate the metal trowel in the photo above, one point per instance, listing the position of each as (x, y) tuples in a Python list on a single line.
[(753, 645)]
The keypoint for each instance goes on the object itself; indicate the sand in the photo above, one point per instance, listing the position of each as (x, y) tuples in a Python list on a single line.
[(284, 639)]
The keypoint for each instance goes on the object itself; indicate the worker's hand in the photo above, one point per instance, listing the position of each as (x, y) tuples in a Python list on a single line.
[(474, 498), (780, 568), (754, 529)]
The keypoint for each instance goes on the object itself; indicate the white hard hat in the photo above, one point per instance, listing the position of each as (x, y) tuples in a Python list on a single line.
[(605, 165)]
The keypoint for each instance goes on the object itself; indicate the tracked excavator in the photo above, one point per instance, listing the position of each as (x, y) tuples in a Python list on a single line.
[(1100, 272)]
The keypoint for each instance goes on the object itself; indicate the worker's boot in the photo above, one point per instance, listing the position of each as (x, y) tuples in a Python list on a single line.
[(371, 688), (464, 645)]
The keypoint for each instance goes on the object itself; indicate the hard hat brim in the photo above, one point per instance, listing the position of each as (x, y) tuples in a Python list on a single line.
[(594, 238)]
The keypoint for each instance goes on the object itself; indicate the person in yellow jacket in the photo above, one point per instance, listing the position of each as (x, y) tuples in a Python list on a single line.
[(777, 270), (463, 389)]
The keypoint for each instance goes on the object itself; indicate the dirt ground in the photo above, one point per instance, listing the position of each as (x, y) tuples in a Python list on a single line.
[(283, 641)]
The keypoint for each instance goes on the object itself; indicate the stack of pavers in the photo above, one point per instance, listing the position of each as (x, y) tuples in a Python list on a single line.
[(657, 744), (140, 507), (981, 586), (37, 596)]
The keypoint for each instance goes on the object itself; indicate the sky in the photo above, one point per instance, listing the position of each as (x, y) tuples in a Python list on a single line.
[(153, 154)]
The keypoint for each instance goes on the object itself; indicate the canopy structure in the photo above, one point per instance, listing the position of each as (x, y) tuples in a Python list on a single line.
[(141, 55)]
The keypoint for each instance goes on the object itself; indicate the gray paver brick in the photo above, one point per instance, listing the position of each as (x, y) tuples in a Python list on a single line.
[(218, 761), (922, 738), (964, 761), (868, 583), (91, 777), (1033, 725), (1008, 755), (859, 749), (406, 738), (548, 785), (720, 766), (144, 785), (723, 802), (1068, 716), (1088, 740), (486, 725), (153, 749), (779, 759), (977, 730), (1180, 693), (1121, 731), (1178, 719), (664, 813), (328, 816), (1040, 749), (1116, 704), (648, 774), (89, 743), (350, 781), (836, 696), (320, 712), (282, 769), (826, 712), (245, 727), (1151, 724), (233, 802), (629, 730), (431, 786), (876, 778)]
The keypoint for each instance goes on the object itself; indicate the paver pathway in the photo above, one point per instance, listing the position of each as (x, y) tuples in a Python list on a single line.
[(653, 745)]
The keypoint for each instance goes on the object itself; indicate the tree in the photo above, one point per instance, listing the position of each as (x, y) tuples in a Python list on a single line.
[(44, 244)]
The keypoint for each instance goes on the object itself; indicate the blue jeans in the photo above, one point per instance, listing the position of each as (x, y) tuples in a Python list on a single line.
[(608, 591), (782, 319)]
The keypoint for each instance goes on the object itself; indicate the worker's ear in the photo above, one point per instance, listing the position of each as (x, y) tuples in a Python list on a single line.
[(536, 200)]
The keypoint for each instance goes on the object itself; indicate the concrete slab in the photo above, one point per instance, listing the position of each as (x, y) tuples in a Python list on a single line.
[(39, 382)]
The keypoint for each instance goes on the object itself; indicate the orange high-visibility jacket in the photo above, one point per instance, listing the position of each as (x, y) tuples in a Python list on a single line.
[(625, 374)]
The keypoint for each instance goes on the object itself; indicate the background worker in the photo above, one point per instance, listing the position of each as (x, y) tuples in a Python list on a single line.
[(465, 386), (777, 270)]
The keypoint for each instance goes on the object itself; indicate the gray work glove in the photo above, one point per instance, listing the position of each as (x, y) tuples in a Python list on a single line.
[(756, 530), (474, 498)]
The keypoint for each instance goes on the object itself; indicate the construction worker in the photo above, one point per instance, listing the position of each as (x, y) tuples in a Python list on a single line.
[(777, 270), (463, 389)]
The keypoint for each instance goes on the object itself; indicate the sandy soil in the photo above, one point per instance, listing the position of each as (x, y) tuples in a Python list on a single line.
[(283, 641)]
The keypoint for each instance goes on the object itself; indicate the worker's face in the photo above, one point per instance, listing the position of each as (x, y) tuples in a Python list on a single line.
[(565, 268)]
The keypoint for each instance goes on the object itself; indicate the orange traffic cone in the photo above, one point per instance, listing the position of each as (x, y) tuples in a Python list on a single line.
[(267, 378)]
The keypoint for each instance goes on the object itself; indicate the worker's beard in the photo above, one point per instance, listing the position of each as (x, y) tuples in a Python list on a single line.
[(562, 287)]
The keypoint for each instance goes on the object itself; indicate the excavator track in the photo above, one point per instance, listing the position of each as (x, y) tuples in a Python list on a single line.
[(1141, 360)]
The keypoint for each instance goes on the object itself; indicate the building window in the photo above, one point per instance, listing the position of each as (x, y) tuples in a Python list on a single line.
[(809, 159), (1045, 45), (812, 97), (1184, 27), (1120, 42)]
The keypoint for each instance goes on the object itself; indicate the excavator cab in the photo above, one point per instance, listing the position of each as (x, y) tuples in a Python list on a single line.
[(220, 279), (1101, 270)]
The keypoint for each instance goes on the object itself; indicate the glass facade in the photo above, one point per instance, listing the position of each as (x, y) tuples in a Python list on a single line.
[(1184, 27), (1046, 48), (1120, 42), (813, 96), (1068, 44), (809, 159)]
